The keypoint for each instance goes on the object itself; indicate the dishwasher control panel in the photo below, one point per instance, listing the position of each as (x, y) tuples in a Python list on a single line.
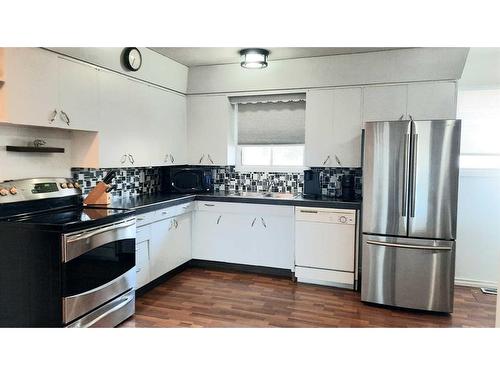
[(326, 215)]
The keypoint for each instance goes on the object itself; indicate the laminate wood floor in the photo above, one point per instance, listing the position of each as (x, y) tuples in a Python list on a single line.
[(212, 298)]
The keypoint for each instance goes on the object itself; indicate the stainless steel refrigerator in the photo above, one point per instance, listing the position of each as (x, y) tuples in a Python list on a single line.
[(410, 188)]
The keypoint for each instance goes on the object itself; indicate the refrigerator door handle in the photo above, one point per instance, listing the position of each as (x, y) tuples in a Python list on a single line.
[(408, 246), (414, 174), (405, 176)]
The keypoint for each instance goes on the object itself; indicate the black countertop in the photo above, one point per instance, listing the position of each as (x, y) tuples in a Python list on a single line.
[(152, 202)]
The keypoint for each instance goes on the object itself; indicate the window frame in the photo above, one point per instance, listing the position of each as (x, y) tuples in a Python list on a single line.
[(239, 167)]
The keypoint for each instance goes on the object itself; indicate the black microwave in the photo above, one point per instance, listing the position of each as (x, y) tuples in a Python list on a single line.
[(189, 180)]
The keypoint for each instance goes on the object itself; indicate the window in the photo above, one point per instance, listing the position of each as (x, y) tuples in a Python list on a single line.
[(479, 111), (271, 132)]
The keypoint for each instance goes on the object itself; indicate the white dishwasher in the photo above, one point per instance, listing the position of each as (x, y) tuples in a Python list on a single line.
[(325, 246)]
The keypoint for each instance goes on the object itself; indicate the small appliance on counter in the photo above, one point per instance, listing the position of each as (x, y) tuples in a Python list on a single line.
[(187, 180), (312, 186)]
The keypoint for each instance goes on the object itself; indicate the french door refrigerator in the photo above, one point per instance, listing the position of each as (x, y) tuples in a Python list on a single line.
[(410, 188)]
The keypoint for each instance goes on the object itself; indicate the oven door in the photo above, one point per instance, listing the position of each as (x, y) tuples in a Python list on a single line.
[(98, 265)]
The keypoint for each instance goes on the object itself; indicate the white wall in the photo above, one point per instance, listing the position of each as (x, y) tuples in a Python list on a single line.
[(16, 165), (405, 65), (478, 226), (155, 68)]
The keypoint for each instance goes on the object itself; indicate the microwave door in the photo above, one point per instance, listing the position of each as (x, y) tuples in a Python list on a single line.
[(434, 179), (386, 177)]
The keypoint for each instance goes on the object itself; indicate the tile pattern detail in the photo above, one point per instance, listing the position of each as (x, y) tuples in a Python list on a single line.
[(128, 181)]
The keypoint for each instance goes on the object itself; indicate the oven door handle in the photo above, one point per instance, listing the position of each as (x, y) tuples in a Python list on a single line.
[(75, 245)]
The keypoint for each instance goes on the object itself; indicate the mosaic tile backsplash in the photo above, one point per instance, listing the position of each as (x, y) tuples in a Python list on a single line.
[(128, 181), (138, 181)]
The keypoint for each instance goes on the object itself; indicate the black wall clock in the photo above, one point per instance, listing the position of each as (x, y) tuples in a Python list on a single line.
[(132, 58)]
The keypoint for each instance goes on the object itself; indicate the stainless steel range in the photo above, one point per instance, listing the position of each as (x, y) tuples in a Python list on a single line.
[(63, 264)]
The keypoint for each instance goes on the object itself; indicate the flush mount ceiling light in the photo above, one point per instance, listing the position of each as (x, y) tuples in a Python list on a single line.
[(254, 58)]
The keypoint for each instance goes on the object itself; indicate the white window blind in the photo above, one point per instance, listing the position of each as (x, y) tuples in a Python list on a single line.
[(479, 111), (271, 123)]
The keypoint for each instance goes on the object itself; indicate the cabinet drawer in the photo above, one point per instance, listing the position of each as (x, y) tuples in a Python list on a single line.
[(324, 277), (245, 208), (146, 218), (142, 264), (325, 215), (143, 233), (179, 209)]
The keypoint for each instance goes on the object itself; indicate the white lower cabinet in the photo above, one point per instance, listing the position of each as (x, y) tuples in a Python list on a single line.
[(250, 234), (142, 275), (325, 246)]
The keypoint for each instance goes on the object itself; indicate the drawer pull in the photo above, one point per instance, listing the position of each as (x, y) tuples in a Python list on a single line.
[(140, 219), (253, 222), (218, 219), (309, 211), (138, 269), (263, 222), (209, 205)]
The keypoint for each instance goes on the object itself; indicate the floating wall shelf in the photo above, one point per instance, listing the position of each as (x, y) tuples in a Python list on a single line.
[(35, 149)]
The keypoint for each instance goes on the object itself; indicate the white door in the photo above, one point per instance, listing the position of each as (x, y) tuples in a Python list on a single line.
[(78, 95), (432, 101), (273, 242), (30, 87), (347, 125), (211, 237), (142, 264), (179, 249), (384, 103), (209, 120), (161, 238), (318, 150)]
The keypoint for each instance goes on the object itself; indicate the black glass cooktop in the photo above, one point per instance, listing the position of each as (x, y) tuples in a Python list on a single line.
[(72, 218)]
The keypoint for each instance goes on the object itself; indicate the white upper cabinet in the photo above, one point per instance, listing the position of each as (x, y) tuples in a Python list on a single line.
[(384, 103), (333, 128), (432, 101), (211, 137), (78, 95), (29, 94), (168, 112)]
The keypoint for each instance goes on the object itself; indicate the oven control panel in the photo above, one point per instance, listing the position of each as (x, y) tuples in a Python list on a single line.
[(37, 188)]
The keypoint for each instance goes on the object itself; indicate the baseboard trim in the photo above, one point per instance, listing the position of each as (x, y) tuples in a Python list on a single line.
[(210, 264), (475, 283)]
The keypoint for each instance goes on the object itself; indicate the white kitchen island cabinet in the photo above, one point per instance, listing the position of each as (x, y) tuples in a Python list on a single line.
[(249, 234)]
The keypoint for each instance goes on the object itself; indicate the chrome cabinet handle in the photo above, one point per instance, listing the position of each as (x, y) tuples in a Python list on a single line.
[(123, 159), (140, 219), (309, 211), (131, 158), (138, 269), (402, 117), (52, 116), (218, 219), (338, 161), (209, 205), (326, 160), (172, 158), (209, 158), (165, 159), (64, 116), (253, 222), (263, 222), (171, 224), (201, 159), (176, 223)]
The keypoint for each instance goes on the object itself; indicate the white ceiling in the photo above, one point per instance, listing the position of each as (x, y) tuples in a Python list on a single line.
[(196, 56)]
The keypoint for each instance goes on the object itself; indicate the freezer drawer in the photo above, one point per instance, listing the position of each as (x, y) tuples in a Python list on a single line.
[(407, 272)]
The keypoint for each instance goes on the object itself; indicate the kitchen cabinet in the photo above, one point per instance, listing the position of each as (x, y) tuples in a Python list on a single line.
[(29, 95), (78, 90), (333, 128), (421, 101), (432, 101), (384, 103), (221, 232), (142, 275), (210, 130), (325, 240), (169, 132)]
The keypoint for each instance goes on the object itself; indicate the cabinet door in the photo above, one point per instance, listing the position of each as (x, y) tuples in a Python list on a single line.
[(273, 242), (161, 239), (319, 128), (209, 130), (142, 264), (179, 250), (169, 127), (30, 89), (125, 127), (384, 103), (78, 95), (432, 101), (211, 239), (347, 126)]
